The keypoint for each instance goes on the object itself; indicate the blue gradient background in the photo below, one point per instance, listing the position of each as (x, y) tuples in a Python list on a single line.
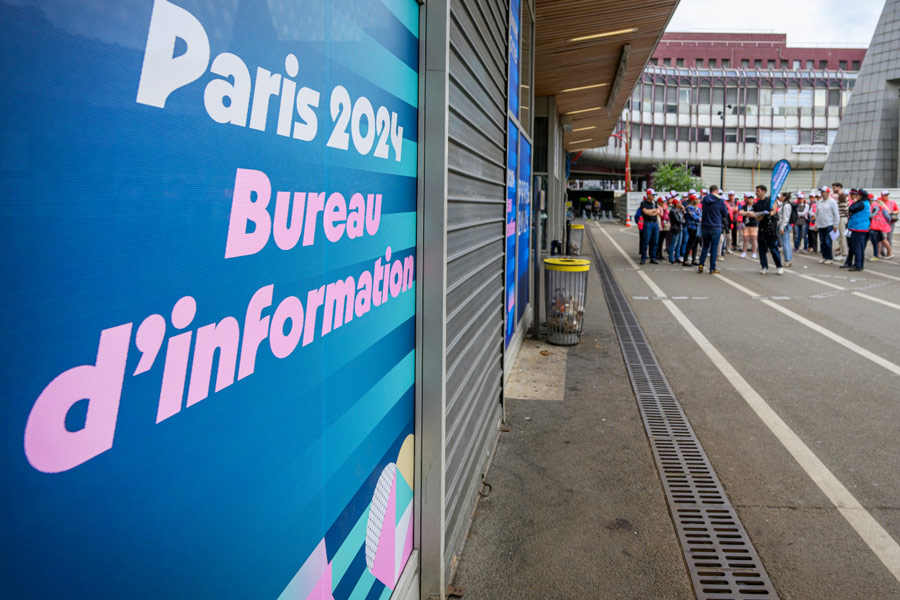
[(114, 210)]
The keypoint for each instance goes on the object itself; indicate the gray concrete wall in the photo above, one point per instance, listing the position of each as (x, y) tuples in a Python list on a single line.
[(865, 151)]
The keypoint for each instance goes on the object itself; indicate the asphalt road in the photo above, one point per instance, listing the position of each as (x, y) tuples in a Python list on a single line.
[(830, 370)]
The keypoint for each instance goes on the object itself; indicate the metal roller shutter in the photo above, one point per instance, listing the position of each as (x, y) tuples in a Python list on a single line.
[(476, 216)]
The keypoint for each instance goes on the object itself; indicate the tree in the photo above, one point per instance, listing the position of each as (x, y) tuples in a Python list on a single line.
[(672, 176)]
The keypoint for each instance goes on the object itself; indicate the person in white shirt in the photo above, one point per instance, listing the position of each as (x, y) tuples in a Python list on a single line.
[(784, 226), (827, 219)]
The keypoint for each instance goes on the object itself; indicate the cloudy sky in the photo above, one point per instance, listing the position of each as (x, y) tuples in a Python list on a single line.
[(819, 21)]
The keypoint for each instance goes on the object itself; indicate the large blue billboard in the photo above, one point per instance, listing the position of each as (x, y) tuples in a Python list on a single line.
[(210, 296)]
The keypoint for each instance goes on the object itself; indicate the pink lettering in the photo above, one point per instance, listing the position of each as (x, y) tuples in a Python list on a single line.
[(244, 209), (290, 309), (334, 216), (256, 329), (224, 338), (49, 446)]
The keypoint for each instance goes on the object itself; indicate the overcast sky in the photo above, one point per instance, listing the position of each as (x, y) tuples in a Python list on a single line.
[(818, 21)]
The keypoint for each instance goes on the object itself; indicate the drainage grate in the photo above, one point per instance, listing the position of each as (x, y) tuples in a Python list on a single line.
[(720, 556)]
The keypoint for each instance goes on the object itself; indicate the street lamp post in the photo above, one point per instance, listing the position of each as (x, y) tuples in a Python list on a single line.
[(721, 113)]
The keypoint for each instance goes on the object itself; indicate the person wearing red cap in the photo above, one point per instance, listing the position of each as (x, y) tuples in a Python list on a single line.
[(894, 212), (881, 225)]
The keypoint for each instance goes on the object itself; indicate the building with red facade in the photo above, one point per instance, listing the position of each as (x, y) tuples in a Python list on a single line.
[(747, 98)]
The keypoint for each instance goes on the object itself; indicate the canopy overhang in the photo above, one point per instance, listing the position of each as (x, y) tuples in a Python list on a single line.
[(589, 54)]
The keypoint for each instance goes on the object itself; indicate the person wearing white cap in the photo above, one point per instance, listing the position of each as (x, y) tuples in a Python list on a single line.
[(785, 210), (801, 226), (894, 211), (812, 229), (827, 218)]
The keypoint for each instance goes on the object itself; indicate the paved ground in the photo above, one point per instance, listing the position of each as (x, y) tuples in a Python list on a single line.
[(577, 510), (566, 482)]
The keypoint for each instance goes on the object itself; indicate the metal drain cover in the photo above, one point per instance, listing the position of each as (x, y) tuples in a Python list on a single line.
[(720, 557)]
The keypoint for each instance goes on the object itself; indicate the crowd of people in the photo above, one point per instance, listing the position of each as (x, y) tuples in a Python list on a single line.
[(827, 221)]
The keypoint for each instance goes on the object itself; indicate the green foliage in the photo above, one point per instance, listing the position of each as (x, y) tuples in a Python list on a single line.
[(672, 176)]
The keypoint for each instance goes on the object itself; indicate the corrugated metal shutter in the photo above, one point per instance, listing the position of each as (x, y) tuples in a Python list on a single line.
[(476, 215)]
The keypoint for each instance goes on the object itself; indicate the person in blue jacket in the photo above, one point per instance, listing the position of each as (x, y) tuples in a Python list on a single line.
[(858, 225), (714, 215)]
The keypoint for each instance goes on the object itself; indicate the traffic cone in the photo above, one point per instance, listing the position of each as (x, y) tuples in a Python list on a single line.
[(628, 221)]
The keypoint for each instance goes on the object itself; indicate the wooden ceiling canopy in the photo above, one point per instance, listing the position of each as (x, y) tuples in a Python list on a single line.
[(561, 64)]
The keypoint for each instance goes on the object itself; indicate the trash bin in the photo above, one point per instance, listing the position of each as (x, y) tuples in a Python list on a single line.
[(565, 283), (576, 237)]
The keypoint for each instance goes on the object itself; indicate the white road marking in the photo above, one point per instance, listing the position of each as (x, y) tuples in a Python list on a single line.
[(843, 289), (868, 271), (872, 533), (893, 368)]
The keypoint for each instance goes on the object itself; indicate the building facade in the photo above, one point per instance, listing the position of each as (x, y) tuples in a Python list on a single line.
[(747, 98)]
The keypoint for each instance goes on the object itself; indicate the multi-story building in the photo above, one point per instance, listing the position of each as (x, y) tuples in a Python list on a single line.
[(747, 98)]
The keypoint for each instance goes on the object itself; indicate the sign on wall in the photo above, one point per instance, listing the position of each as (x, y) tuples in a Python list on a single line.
[(512, 147), (210, 289), (524, 225), (514, 52)]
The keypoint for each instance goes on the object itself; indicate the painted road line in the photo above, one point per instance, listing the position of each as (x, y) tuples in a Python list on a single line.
[(872, 533), (867, 271), (893, 368), (843, 289)]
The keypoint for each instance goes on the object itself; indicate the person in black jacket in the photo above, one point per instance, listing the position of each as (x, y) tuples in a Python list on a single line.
[(768, 235), (676, 228), (715, 213)]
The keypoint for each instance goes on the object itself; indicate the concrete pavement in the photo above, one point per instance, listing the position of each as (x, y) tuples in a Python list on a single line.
[(570, 489), (576, 509)]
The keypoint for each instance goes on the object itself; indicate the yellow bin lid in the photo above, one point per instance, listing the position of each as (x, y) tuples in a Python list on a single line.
[(567, 264), (576, 226)]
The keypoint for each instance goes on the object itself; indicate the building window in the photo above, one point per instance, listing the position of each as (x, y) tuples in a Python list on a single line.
[(703, 96), (770, 64), (671, 99), (806, 136), (658, 132), (856, 65), (823, 64), (820, 137), (843, 65), (750, 136), (757, 63), (745, 63), (784, 64), (670, 134), (699, 63), (796, 65), (731, 97), (679, 62), (717, 134), (703, 134), (667, 62), (712, 63), (684, 134), (731, 135)]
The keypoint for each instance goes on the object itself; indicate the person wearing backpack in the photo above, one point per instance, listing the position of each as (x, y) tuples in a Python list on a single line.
[(827, 218), (785, 213)]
